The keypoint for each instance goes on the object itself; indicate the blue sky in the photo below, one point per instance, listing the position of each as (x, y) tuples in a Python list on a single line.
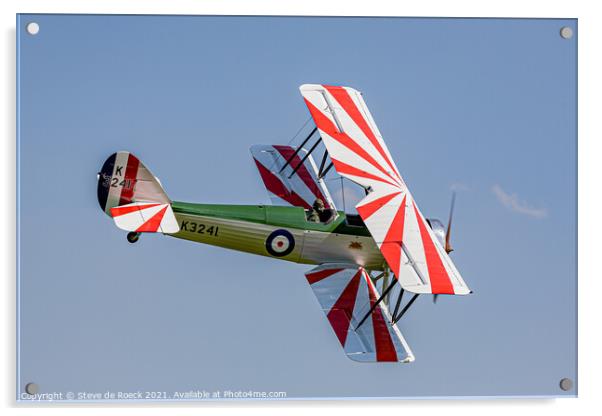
[(484, 106)]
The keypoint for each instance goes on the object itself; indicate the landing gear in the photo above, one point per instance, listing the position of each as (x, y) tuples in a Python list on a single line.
[(133, 237)]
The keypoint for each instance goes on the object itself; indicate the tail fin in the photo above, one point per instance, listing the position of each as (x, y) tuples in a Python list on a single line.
[(130, 194)]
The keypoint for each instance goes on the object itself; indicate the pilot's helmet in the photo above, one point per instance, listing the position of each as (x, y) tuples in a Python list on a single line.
[(319, 204)]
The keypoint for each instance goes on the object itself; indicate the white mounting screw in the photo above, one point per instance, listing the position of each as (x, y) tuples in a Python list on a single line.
[(566, 32), (33, 28)]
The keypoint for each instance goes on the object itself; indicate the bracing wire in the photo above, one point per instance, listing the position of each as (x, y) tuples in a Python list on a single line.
[(293, 138), (324, 179), (343, 195), (300, 130)]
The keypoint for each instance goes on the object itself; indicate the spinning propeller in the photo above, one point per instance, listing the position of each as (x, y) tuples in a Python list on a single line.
[(448, 247)]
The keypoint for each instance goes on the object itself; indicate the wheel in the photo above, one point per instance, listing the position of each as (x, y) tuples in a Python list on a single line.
[(133, 237)]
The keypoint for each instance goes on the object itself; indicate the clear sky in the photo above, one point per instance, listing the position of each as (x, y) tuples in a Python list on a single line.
[(484, 106)]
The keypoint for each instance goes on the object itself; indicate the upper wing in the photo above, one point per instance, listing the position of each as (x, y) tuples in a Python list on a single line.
[(302, 188), (359, 153), (346, 293)]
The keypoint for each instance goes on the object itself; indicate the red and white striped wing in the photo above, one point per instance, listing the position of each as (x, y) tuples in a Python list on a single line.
[(145, 217), (346, 294), (302, 188), (360, 154)]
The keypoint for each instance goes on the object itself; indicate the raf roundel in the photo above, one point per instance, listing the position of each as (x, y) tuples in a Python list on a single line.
[(280, 243)]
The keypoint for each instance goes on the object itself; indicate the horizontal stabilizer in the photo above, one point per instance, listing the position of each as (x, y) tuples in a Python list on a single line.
[(145, 217)]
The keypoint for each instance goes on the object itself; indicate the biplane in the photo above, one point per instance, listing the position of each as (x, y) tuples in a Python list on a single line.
[(364, 263)]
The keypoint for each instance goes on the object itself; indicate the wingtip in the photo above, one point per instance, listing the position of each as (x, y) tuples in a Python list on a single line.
[(307, 87), (409, 359)]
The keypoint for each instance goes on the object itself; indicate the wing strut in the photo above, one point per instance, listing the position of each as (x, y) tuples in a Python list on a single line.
[(305, 157), (380, 299), (322, 164), (322, 174), (398, 302), (377, 278), (288, 161), (405, 309)]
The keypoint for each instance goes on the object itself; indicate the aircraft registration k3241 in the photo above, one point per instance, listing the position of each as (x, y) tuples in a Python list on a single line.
[(365, 263)]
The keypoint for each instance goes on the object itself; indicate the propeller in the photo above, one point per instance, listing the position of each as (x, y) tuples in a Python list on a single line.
[(448, 247)]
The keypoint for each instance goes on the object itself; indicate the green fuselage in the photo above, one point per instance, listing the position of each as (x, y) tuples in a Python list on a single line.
[(248, 228)]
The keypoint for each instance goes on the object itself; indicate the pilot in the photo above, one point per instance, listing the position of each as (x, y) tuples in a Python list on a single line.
[(317, 211)]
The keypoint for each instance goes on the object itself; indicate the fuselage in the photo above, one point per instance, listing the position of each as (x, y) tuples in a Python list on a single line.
[(278, 231)]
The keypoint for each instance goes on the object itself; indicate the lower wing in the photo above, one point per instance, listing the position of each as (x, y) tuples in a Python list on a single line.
[(348, 296)]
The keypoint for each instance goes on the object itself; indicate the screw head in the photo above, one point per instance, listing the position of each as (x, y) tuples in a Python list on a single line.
[(566, 32), (566, 384), (32, 28), (31, 388)]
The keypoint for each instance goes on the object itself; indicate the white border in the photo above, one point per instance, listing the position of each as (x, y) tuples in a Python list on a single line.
[(590, 135)]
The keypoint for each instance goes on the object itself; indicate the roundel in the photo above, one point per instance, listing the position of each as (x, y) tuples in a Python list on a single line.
[(280, 243)]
